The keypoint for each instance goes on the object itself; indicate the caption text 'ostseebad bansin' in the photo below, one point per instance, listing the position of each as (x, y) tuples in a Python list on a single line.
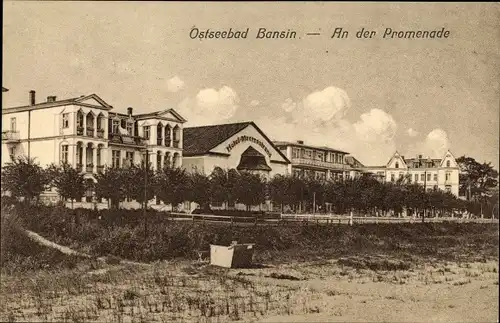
[(263, 33)]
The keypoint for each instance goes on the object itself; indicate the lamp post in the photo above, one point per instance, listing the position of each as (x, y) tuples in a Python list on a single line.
[(425, 196), (144, 213)]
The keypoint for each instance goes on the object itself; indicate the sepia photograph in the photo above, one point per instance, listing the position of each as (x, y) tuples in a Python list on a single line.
[(250, 161)]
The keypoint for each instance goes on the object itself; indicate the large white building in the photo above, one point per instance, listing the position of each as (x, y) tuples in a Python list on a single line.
[(319, 162), (85, 133), (242, 146), (441, 173)]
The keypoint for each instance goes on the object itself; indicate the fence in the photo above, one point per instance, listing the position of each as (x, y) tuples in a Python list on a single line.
[(317, 219)]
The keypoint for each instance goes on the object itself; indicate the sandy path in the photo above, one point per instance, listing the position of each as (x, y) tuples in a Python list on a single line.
[(68, 251)]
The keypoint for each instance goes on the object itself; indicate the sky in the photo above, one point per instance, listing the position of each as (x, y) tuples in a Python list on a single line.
[(369, 97)]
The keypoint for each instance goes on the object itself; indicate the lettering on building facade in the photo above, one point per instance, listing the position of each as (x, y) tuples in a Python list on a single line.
[(242, 139)]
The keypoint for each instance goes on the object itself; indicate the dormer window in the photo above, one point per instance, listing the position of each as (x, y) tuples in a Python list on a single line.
[(116, 125), (130, 128)]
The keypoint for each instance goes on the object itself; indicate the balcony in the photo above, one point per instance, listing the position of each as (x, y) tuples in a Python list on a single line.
[(116, 138), (176, 143), (100, 169), (79, 131), (317, 163), (90, 132), (10, 136), (100, 133)]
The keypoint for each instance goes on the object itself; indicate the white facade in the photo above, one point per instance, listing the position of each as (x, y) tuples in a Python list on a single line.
[(316, 162), (228, 152), (432, 173), (84, 133)]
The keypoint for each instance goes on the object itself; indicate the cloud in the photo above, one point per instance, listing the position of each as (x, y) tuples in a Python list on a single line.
[(375, 125), (435, 144), (317, 118), (175, 84), (412, 132), (210, 106), (327, 104)]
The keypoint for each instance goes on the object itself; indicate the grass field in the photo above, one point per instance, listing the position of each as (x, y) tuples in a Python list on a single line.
[(441, 272)]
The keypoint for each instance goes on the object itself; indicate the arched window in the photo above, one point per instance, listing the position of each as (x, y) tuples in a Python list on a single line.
[(159, 134), (447, 163), (397, 165), (168, 135)]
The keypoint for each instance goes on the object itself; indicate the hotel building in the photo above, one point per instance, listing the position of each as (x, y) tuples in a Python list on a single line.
[(85, 133), (441, 173), (242, 146), (315, 162)]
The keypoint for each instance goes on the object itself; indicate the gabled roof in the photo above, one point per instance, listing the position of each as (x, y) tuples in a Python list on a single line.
[(444, 157), (353, 162), (200, 140), (251, 159), (158, 114), (397, 155), (76, 101)]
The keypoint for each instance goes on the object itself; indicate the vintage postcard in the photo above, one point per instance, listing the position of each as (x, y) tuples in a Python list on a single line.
[(250, 161)]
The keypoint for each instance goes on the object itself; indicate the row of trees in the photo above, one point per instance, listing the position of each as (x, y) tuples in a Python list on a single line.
[(24, 178)]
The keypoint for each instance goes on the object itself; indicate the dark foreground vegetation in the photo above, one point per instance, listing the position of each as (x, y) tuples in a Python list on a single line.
[(122, 234)]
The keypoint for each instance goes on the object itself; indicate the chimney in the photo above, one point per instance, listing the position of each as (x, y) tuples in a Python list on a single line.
[(300, 142), (32, 97), (129, 111), (51, 98)]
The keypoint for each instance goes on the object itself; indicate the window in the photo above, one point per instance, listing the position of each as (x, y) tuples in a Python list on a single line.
[(448, 175), (99, 122), (416, 165), (409, 178), (400, 175), (428, 177), (147, 131), (64, 153), (79, 119), (65, 120), (116, 125), (447, 163), (130, 128), (416, 177), (115, 154), (422, 177), (320, 156), (397, 165), (295, 153), (447, 188), (392, 177), (158, 161), (435, 177), (13, 124), (12, 153), (308, 154), (129, 157), (340, 158)]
